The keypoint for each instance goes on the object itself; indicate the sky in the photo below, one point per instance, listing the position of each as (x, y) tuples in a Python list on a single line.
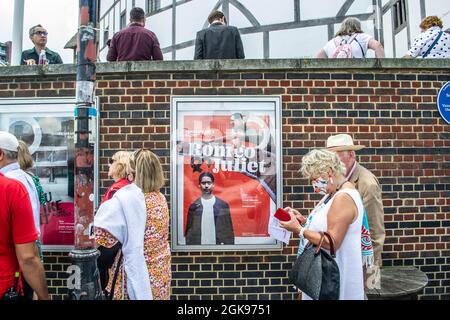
[(59, 17)]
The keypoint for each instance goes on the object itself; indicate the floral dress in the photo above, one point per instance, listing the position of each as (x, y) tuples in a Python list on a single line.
[(156, 250)]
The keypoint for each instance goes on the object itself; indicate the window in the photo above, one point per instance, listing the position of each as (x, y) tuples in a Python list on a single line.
[(399, 15), (3, 54), (153, 5), (123, 19), (47, 127), (105, 36)]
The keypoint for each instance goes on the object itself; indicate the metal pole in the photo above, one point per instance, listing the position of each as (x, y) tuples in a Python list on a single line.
[(84, 256), (17, 32)]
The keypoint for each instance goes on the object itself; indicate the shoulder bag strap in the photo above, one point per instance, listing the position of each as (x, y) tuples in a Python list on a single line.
[(362, 50), (116, 273), (432, 45), (320, 242), (332, 244), (352, 37)]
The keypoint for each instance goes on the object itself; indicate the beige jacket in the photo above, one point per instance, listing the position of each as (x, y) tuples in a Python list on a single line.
[(369, 188)]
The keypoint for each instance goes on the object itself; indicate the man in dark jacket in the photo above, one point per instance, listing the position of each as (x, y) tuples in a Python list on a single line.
[(209, 219), (218, 41), (38, 35), (135, 43)]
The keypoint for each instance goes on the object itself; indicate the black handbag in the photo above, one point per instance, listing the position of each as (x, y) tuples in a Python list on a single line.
[(315, 272)]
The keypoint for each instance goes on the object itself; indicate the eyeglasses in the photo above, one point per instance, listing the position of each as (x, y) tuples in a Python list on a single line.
[(41, 33)]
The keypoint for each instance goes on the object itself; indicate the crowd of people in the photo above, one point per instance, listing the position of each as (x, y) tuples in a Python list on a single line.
[(221, 41), (131, 227), (132, 222)]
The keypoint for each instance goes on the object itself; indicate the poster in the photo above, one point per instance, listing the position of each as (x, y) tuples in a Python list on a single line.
[(226, 172), (47, 126)]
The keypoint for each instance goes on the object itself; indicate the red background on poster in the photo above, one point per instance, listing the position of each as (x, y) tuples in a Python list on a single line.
[(60, 228), (248, 200)]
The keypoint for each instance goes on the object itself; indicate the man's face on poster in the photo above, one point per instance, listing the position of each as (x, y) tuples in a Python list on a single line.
[(207, 186), (237, 123)]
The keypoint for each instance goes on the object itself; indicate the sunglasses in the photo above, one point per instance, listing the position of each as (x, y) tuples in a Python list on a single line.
[(41, 33)]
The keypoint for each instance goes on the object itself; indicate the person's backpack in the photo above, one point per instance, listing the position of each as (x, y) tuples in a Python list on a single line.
[(343, 48)]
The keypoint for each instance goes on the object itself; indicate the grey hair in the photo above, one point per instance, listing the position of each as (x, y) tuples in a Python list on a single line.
[(349, 26), (31, 32), (317, 162), (10, 155)]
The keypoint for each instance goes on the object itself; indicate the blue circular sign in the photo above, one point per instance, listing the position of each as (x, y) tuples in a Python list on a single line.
[(443, 102)]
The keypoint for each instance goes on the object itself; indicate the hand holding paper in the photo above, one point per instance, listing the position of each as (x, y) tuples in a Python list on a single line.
[(277, 232)]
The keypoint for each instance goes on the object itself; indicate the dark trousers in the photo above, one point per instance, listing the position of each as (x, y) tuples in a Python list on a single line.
[(105, 262)]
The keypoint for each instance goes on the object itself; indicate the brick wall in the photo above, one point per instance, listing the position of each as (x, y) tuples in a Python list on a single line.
[(388, 105)]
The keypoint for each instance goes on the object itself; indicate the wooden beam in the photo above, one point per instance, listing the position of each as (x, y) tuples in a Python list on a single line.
[(345, 7)]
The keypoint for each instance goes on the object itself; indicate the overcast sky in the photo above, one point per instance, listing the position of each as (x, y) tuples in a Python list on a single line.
[(59, 17)]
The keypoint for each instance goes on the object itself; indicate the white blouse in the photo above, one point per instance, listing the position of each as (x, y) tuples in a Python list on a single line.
[(424, 41)]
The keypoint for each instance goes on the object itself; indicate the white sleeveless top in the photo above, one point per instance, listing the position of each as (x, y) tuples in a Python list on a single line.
[(360, 43), (348, 257)]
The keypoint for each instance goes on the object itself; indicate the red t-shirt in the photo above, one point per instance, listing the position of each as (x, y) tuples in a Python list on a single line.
[(16, 227)]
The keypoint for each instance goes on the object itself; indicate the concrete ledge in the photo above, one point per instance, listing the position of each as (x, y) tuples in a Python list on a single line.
[(233, 65)]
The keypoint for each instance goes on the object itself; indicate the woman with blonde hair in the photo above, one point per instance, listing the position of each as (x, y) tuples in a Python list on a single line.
[(351, 42), (433, 42), (118, 171), (340, 213), (138, 217), (26, 163)]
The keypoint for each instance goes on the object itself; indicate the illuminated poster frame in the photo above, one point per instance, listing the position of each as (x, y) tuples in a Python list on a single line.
[(41, 115), (235, 141)]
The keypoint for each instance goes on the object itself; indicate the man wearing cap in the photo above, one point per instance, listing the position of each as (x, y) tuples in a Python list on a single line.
[(9, 166), (369, 188), (18, 250)]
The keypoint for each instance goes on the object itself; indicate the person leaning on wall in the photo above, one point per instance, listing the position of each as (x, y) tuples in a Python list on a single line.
[(39, 36), (352, 34), (134, 43), (432, 43), (218, 41)]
